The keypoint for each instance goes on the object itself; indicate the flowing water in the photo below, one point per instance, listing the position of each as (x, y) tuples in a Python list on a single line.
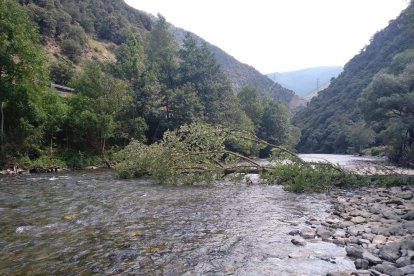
[(91, 223)]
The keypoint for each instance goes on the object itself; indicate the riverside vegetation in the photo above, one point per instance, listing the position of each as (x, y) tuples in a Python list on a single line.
[(154, 100)]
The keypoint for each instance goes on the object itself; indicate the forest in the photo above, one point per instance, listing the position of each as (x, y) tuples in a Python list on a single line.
[(134, 81), (150, 85)]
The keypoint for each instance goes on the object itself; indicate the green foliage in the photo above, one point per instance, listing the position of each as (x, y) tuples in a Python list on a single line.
[(388, 103), (61, 72), (72, 49), (23, 75), (359, 135), (99, 99)]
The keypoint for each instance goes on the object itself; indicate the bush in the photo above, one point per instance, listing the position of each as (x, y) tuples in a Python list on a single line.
[(72, 49)]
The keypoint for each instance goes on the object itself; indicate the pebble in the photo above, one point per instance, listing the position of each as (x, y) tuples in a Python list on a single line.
[(376, 227)]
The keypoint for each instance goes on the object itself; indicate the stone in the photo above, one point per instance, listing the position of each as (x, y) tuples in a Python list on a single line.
[(339, 273), (339, 233), (390, 215), (294, 232), (358, 219), (404, 261), (331, 220), (298, 241), (379, 239), (390, 252), (298, 255), (385, 268), (409, 215), (397, 272), (407, 245), (354, 251), (323, 233), (407, 269), (406, 195), (308, 233), (371, 258), (361, 264), (362, 273)]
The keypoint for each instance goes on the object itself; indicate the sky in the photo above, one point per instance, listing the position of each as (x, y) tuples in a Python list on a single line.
[(281, 35)]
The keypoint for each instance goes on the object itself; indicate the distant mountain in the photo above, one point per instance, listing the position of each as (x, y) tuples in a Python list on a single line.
[(241, 75), (305, 81)]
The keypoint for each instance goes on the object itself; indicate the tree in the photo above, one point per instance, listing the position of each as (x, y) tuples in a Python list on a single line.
[(23, 76), (359, 135), (99, 99), (200, 69), (197, 153), (388, 103), (275, 125), (251, 103)]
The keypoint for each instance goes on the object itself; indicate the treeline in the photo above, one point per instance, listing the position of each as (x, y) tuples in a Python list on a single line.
[(368, 108), (154, 85)]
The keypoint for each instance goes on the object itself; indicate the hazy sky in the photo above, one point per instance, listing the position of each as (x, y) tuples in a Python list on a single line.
[(281, 35)]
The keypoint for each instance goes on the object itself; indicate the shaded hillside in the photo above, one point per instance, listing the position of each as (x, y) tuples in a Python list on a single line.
[(325, 119), (242, 75), (304, 81)]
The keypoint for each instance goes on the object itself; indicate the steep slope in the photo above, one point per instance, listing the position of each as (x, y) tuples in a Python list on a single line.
[(324, 120), (74, 31), (241, 74), (302, 82)]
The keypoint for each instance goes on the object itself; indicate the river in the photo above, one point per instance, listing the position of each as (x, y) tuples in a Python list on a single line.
[(91, 223)]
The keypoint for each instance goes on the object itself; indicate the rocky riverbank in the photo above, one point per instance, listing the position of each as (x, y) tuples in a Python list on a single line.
[(376, 227)]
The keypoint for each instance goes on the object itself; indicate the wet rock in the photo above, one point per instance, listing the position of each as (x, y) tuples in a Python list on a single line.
[(372, 259), (308, 233), (390, 252), (354, 251), (298, 241), (323, 233), (361, 264)]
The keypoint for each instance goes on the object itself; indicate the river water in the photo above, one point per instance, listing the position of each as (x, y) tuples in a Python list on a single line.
[(91, 223)]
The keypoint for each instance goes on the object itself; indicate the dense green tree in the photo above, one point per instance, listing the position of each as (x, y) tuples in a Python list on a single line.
[(388, 103), (200, 69), (251, 103), (99, 99), (359, 135), (23, 76), (275, 126)]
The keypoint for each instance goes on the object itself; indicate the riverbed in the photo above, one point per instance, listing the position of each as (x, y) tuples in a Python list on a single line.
[(92, 223)]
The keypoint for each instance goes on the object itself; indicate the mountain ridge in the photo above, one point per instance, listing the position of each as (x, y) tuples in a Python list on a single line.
[(304, 81)]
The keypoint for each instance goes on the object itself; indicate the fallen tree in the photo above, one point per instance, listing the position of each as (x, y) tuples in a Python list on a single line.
[(201, 153)]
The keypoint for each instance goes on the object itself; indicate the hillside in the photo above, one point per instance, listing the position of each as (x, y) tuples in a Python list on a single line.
[(93, 30), (129, 79), (304, 81), (325, 121)]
